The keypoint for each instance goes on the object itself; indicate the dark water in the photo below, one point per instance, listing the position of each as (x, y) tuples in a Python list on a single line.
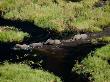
[(58, 59)]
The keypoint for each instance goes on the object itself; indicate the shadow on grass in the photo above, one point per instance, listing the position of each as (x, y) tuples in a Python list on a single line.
[(37, 34)]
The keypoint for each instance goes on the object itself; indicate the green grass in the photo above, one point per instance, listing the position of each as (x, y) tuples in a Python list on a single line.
[(89, 3), (96, 64), (60, 16), (10, 34), (23, 73), (104, 39)]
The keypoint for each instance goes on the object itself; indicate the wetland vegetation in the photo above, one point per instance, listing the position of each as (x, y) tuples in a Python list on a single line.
[(54, 40)]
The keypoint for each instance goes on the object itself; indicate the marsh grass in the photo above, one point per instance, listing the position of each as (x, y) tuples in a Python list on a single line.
[(59, 15), (11, 34), (23, 73), (96, 65), (105, 39)]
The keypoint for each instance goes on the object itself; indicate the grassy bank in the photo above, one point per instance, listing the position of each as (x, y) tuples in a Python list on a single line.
[(23, 73), (11, 34), (59, 15), (96, 66)]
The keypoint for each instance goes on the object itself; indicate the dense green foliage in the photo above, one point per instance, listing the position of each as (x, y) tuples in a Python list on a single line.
[(59, 14), (10, 34), (96, 65), (23, 73)]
